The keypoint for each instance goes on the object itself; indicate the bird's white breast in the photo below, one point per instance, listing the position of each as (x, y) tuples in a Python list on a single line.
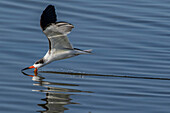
[(58, 55)]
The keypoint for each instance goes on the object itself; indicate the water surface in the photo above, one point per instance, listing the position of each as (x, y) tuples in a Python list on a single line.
[(128, 72)]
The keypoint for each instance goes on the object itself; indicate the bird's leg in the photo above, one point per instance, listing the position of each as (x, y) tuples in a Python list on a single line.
[(35, 71)]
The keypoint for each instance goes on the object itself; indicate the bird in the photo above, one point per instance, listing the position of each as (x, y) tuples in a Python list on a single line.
[(59, 44)]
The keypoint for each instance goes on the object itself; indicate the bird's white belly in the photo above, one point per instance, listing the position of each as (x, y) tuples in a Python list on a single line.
[(62, 54)]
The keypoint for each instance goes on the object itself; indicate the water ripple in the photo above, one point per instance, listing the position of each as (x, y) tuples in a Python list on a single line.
[(127, 72)]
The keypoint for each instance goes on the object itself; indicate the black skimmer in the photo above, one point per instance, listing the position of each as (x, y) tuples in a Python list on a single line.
[(59, 45)]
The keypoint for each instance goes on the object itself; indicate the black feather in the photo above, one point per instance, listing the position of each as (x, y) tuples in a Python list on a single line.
[(48, 16), (41, 61)]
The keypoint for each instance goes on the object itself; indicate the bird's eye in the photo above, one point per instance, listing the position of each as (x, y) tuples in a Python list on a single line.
[(41, 61)]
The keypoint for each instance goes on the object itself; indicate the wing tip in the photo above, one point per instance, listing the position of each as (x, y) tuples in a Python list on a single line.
[(48, 16)]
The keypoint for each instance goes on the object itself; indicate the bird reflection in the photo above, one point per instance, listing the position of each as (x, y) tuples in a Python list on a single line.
[(56, 97)]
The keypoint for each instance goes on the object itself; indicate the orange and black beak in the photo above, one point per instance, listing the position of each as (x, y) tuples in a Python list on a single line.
[(35, 70), (28, 68)]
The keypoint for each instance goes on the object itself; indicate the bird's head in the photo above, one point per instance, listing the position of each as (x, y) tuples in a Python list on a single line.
[(36, 65)]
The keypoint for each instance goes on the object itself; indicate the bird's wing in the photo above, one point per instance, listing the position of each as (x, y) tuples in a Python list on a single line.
[(56, 32), (59, 42), (48, 17)]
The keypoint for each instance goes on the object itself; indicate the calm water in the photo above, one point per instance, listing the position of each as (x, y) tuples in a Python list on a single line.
[(128, 72)]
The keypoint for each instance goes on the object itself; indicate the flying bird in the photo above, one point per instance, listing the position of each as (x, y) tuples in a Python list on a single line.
[(59, 45)]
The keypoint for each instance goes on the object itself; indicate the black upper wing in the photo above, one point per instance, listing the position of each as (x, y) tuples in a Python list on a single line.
[(56, 32), (48, 16)]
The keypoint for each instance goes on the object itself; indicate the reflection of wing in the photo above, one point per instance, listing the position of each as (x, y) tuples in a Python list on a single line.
[(56, 32)]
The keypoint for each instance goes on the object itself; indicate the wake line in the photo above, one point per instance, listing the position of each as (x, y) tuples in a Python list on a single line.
[(86, 74)]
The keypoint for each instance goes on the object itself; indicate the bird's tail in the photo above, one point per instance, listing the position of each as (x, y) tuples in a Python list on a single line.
[(79, 51), (88, 51)]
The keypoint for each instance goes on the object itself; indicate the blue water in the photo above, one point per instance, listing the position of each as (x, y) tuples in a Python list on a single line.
[(128, 72)]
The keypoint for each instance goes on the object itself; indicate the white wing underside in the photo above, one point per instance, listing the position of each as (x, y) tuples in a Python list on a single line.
[(59, 42), (57, 36)]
